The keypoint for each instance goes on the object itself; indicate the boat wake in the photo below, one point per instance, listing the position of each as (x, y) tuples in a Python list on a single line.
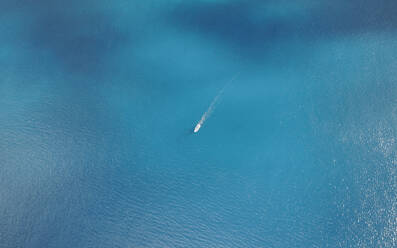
[(211, 108)]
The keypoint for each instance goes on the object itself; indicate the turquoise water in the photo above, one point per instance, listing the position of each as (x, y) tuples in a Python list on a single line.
[(98, 101)]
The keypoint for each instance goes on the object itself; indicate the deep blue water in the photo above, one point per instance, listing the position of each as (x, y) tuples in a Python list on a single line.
[(98, 101)]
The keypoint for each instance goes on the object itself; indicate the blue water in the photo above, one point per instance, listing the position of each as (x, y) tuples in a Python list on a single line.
[(98, 101)]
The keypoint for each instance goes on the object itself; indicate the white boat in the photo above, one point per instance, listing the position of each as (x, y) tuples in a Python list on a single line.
[(197, 128)]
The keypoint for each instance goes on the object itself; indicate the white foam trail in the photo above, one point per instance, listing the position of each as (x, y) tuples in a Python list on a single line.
[(212, 106)]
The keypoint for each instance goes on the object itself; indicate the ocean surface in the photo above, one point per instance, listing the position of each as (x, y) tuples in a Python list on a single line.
[(99, 99)]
